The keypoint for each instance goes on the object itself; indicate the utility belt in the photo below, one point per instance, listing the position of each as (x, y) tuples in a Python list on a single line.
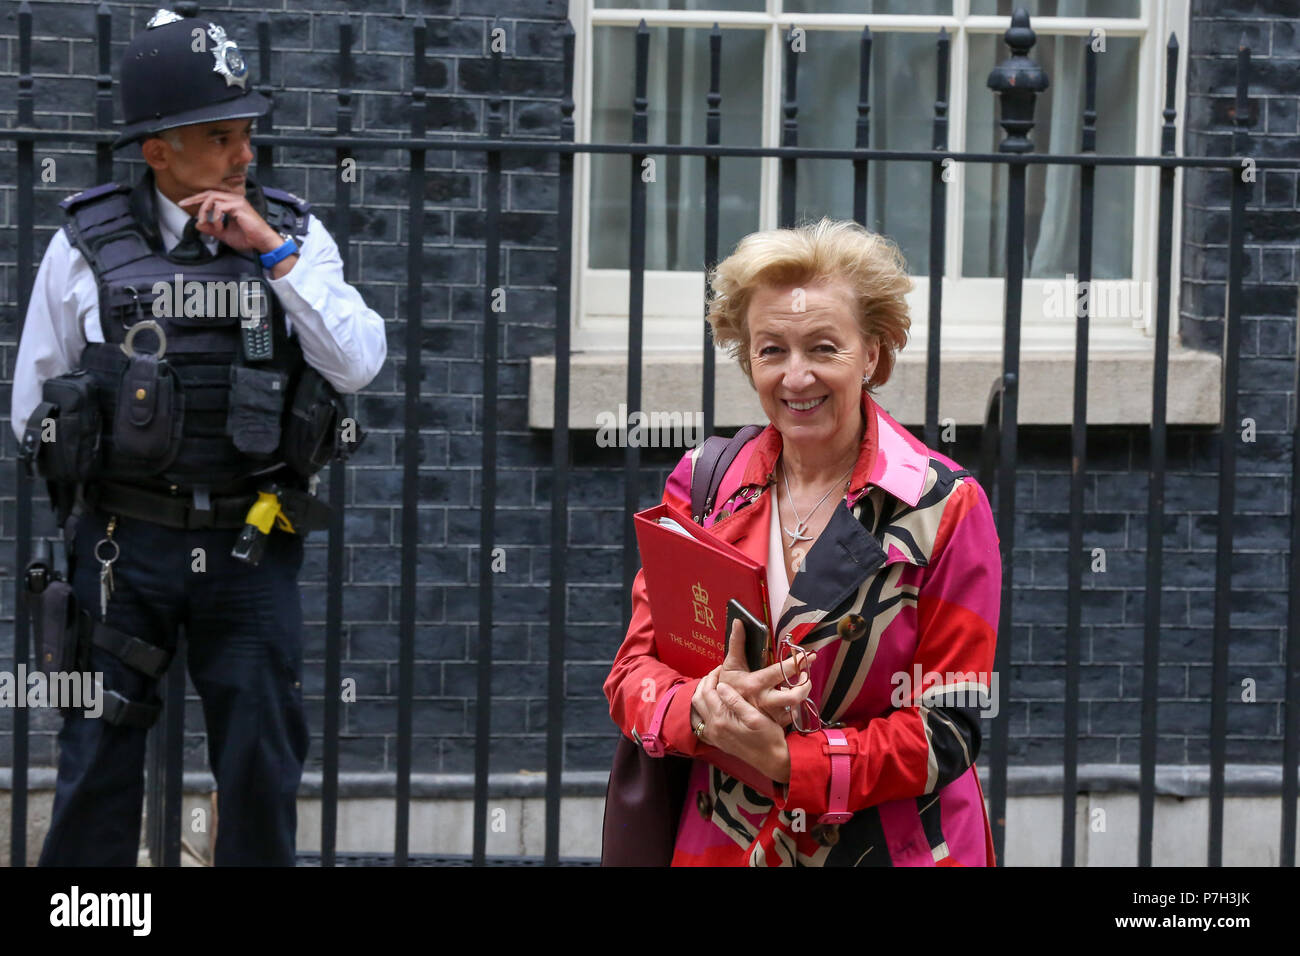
[(303, 512), (271, 506), (170, 511), (65, 632)]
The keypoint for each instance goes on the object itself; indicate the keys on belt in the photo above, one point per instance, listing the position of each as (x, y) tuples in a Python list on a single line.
[(106, 566)]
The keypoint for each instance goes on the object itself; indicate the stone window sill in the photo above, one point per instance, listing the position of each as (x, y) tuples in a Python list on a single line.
[(1119, 387)]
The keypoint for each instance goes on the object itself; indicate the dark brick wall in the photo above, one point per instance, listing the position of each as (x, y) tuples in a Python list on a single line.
[(1272, 260), (452, 414)]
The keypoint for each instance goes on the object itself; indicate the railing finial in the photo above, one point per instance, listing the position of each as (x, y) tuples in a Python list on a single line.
[(1018, 80)]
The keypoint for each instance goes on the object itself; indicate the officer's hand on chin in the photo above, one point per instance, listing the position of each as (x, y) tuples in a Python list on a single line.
[(243, 229)]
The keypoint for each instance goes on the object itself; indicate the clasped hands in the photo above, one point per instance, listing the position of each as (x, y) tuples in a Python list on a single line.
[(745, 713)]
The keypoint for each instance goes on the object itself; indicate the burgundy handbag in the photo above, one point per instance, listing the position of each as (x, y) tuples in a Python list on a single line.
[(643, 802)]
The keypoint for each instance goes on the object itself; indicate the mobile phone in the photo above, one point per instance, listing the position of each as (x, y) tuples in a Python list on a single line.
[(255, 334), (755, 635)]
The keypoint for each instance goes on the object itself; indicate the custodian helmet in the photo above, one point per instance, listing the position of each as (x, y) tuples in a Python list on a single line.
[(181, 70)]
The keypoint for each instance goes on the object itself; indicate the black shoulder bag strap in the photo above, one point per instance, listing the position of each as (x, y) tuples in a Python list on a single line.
[(711, 464)]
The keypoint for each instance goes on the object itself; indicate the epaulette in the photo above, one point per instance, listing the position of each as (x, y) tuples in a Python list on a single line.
[(95, 192), (300, 205), (286, 212)]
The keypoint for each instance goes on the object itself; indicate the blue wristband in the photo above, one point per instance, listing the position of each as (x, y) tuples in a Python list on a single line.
[(269, 259)]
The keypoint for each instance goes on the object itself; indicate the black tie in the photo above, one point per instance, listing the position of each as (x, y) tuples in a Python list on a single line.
[(191, 247)]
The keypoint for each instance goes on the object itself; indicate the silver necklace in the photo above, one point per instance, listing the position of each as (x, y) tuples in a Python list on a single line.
[(801, 526)]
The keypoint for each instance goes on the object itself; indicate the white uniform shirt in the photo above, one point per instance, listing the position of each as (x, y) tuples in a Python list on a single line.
[(339, 334)]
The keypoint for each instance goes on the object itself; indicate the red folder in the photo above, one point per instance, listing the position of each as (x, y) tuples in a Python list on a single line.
[(689, 580)]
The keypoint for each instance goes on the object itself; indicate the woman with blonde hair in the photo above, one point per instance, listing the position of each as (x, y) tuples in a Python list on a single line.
[(858, 746)]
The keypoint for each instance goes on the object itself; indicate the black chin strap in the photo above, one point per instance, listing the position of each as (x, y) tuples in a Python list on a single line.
[(144, 210)]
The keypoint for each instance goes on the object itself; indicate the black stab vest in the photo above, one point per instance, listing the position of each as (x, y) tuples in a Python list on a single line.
[(115, 228)]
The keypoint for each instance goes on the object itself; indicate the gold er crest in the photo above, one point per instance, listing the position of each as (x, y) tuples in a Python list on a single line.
[(700, 602)]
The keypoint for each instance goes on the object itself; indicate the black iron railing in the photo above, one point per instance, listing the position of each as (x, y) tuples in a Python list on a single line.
[(1016, 81)]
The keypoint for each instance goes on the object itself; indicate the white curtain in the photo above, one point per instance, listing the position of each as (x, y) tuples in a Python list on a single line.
[(1052, 191), (677, 87), (1056, 250), (902, 110)]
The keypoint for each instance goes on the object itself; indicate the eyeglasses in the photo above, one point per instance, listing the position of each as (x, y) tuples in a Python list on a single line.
[(794, 664)]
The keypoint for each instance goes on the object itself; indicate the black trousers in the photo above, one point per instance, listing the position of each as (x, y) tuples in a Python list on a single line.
[(244, 648)]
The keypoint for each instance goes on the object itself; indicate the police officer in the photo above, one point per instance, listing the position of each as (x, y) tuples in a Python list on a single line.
[(186, 343)]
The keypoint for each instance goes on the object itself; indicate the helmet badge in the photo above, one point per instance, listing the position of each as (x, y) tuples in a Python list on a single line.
[(162, 17), (230, 62)]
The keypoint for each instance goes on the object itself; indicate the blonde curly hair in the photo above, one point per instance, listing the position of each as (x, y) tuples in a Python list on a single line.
[(809, 253)]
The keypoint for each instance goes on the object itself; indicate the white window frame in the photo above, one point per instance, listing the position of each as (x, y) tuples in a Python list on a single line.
[(972, 307)]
